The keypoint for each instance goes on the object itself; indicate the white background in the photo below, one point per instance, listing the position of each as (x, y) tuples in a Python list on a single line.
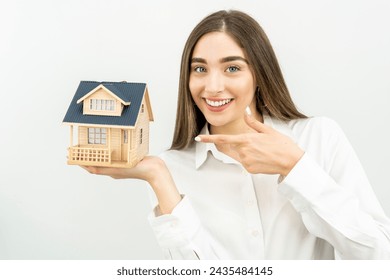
[(335, 56)]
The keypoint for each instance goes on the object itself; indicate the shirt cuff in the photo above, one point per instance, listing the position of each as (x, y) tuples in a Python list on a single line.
[(305, 183), (178, 228)]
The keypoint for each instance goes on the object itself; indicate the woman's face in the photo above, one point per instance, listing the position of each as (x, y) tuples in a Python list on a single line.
[(221, 81)]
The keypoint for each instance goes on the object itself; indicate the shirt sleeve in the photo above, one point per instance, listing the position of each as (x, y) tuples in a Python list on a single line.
[(336, 201), (181, 235)]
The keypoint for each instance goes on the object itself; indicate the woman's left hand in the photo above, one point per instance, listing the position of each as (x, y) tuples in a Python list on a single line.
[(266, 151)]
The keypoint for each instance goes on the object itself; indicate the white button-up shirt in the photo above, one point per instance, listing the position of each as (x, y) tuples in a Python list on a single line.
[(324, 208)]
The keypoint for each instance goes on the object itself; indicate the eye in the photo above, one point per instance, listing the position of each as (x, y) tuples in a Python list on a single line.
[(232, 69), (199, 69)]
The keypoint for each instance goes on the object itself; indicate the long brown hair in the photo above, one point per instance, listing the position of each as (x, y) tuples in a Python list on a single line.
[(272, 95)]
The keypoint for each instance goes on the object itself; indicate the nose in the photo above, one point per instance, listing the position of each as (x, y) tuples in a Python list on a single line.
[(214, 83)]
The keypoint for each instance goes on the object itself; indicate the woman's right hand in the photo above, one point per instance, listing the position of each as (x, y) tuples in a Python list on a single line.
[(151, 169), (145, 170)]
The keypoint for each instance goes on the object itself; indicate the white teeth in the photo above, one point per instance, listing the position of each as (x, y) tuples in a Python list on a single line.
[(218, 103)]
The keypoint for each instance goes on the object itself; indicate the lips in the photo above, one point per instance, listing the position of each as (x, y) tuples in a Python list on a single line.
[(218, 105)]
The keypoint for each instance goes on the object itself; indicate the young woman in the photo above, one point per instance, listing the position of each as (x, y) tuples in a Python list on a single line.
[(248, 176)]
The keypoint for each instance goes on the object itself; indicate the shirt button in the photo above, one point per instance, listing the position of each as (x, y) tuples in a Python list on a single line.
[(255, 233)]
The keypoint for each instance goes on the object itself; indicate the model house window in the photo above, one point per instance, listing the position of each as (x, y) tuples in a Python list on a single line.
[(142, 108), (140, 136), (102, 105), (97, 135)]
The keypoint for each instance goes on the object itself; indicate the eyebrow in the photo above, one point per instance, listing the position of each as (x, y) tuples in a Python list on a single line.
[(222, 60)]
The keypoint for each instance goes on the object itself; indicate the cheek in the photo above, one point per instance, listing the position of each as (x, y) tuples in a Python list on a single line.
[(244, 86), (195, 88), (194, 91), (245, 92), (192, 81), (251, 91)]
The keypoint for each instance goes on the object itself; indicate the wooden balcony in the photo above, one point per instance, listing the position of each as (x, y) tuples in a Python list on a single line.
[(88, 155)]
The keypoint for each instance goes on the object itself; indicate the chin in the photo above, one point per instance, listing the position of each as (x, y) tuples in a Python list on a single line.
[(217, 122)]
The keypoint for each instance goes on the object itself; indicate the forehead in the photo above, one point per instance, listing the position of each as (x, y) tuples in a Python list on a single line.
[(217, 45)]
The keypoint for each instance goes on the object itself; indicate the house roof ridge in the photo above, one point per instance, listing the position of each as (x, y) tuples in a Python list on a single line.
[(122, 82), (89, 81), (112, 82)]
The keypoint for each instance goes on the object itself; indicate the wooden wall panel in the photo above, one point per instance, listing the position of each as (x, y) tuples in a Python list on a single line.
[(142, 123), (83, 135), (116, 143)]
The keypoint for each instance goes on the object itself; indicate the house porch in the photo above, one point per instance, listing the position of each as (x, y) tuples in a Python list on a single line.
[(96, 156)]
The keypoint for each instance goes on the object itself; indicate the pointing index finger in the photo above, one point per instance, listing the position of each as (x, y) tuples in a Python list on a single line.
[(221, 139)]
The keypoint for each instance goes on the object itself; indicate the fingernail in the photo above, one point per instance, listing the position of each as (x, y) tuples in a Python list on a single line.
[(197, 139), (248, 111)]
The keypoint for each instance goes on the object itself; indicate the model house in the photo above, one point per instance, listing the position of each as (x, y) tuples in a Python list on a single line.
[(110, 121)]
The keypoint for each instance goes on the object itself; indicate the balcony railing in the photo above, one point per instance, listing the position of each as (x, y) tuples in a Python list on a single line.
[(89, 154)]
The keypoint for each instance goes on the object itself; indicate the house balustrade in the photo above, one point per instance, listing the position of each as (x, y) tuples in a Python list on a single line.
[(89, 154)]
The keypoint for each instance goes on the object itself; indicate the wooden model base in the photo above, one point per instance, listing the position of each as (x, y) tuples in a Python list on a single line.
[(119, 164)]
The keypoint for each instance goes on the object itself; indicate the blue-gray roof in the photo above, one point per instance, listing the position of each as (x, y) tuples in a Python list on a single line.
[(128, 92)]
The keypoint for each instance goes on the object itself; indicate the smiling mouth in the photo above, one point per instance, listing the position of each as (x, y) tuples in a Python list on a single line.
[(218, 103)]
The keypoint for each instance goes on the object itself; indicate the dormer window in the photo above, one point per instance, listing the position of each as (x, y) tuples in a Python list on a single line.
[(102, 105), (102, 101)]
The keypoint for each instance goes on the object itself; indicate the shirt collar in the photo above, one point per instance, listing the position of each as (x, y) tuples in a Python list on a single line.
[(202, 149), (279, 125)]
